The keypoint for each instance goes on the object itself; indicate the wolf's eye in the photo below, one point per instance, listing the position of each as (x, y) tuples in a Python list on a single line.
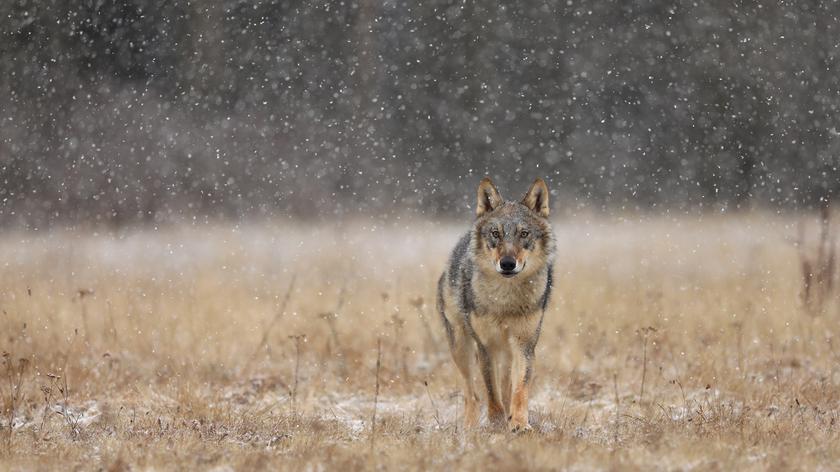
[(496, 234), (523, 234)]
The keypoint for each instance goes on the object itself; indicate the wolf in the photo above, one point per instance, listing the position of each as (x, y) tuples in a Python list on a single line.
[(492, 298)]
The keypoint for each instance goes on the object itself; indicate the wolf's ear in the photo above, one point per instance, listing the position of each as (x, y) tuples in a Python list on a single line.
[(488, 197), (537, 198)]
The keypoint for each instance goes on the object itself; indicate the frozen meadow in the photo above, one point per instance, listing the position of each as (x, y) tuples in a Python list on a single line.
[(670, 343)]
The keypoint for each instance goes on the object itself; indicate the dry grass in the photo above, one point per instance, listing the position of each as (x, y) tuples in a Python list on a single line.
[(669, 344)]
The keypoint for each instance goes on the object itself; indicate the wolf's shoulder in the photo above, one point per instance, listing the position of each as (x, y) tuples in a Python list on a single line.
[(459, 258), (462, 247)]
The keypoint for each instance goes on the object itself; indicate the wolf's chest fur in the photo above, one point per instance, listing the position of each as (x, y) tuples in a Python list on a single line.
[(499, 297)]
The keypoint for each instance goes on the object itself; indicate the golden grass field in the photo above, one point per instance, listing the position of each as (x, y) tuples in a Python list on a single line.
[(670, 344)]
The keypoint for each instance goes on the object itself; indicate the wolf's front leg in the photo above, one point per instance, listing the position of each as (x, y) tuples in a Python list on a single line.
[(522, 372), (504, 366), (523, 346), (495, 410), (463, 353)]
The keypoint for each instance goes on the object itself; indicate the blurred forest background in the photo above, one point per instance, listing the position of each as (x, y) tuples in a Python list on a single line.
[(134, 111)]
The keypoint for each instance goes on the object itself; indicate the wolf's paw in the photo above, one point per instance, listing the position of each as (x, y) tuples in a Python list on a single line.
[(497, 422), (520, 427)]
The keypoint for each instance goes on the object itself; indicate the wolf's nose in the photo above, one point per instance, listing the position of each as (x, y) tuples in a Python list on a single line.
[(507, 263)]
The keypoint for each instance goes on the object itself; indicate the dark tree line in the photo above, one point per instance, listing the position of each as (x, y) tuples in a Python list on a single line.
[(123, 111)]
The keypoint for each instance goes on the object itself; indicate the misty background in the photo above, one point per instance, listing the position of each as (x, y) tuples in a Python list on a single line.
[(152, 111)]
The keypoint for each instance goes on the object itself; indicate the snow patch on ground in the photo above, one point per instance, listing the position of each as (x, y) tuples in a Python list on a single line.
[(81, 416)]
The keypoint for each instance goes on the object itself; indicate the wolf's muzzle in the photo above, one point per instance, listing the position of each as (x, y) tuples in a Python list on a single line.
[(507, 266)]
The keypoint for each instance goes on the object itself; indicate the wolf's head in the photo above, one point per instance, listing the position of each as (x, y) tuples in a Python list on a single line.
[(512, 238)]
